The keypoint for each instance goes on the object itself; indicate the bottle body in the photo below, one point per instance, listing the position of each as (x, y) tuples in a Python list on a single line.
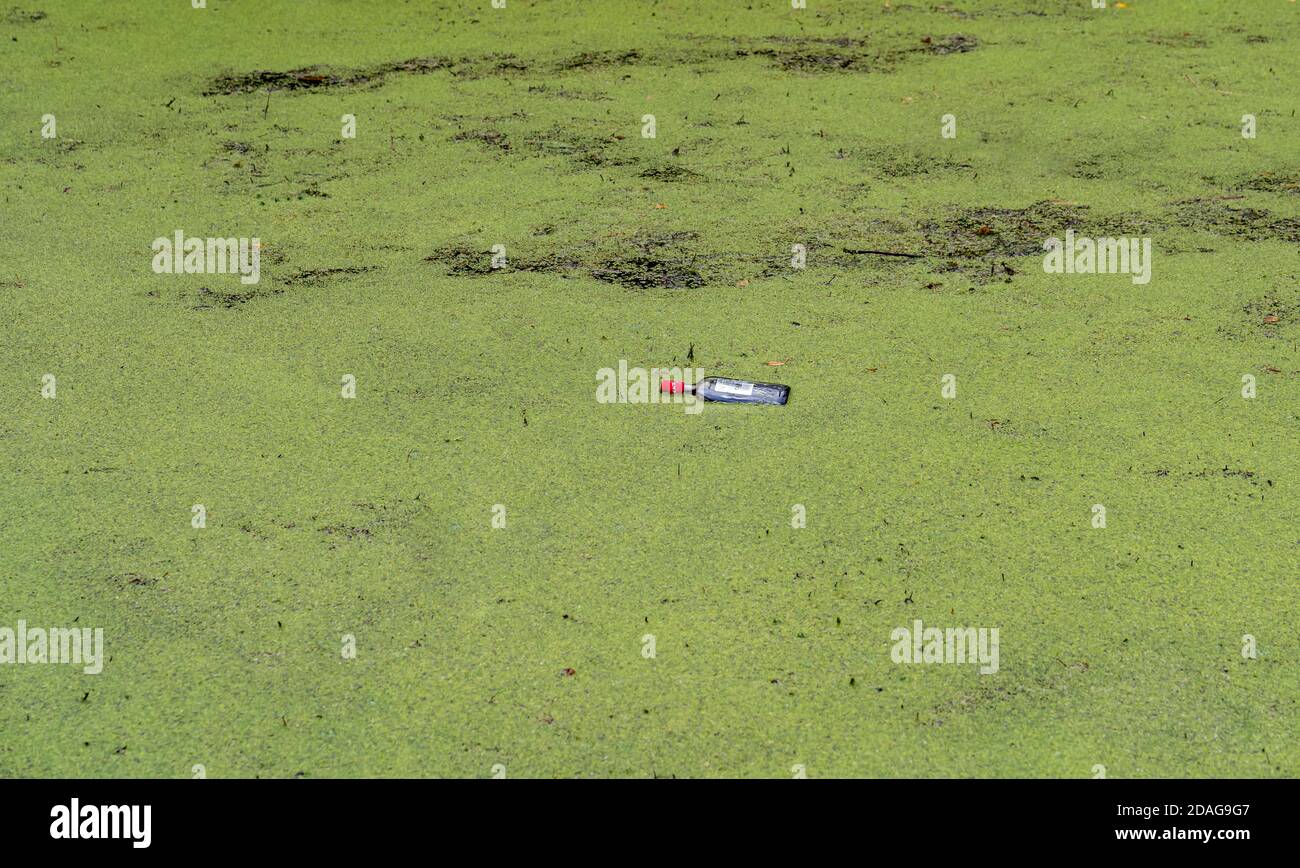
[(728, 391)]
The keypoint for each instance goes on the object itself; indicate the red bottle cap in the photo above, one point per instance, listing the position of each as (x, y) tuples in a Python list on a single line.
[(672, 387)]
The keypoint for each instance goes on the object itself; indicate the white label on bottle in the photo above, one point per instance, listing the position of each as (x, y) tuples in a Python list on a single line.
[(734, 387)]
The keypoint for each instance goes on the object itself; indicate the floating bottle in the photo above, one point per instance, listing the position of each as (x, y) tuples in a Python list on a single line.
[(728, 391)]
